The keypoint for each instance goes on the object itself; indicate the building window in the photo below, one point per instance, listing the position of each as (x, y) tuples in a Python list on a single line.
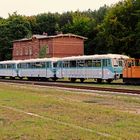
[(26, 51), (47, 49), (17, 52), (30, 51), (21, 51), (43, 51)]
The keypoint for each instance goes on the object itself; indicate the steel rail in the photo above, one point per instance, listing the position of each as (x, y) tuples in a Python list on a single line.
[(70, 86)]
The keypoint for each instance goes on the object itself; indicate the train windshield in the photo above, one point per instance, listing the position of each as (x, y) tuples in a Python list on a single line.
[(115, 63), (118, 63), (55, 64)]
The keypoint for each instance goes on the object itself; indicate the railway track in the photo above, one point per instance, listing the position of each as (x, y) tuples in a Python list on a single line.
[(72, 86)]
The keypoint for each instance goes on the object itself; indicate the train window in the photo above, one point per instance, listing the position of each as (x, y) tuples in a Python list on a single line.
[(72, 63), (109, 62), (105, 62), (18, 66), (39, 65), (96, 63), (13, 66), (48, 64), (55, 64), (31, 65), (10, 66), (129, 64), (120, 63), (80, 63), (28, 65), (63, 64), (1, 66), (115, 62), (22, 65), (66, 64), (137, 63), (4, 66), (132, 63), (59, 64), (43, 64), (88, 63)]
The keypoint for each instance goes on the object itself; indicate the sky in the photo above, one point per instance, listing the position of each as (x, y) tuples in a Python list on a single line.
[(34, 7)]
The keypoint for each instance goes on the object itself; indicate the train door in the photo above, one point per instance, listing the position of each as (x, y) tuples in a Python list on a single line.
[(130, 64), (46, 68), (80, 71), (59, 69), (73, 69), (104, 66), (136, 69), (15, 70), (54, 69)]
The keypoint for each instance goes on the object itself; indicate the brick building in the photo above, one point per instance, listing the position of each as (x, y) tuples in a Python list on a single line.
[(60, 45)]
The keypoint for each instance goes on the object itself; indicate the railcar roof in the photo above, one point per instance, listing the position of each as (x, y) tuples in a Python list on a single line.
[(97, 56), (39, 60), (28, 60), (10, 62)]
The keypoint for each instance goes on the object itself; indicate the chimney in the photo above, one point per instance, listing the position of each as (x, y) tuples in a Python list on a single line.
[(44, 33)]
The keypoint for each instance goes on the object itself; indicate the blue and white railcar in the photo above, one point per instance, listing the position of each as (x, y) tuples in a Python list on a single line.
[(8, 68), (100, 67), (42, 68)]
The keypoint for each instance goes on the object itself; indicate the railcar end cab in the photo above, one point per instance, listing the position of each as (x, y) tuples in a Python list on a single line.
[(8, 69), (98, 67), (131, 71), (37, 69)]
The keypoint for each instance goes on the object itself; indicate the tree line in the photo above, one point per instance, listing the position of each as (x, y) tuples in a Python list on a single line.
[(110, 29)]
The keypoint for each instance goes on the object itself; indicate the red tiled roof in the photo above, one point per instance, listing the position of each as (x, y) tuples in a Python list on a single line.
[(54, 36)]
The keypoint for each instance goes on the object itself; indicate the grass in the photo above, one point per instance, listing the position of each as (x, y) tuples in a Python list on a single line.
[(115, 84), (39, 113)]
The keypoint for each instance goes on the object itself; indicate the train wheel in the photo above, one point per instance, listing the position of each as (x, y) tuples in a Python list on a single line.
[(20, 78), (54, 79), (72, 80), (99, 80), (30, 78), (109, 81), (46, 79), (82, 80), (43, 79), (12, 78)]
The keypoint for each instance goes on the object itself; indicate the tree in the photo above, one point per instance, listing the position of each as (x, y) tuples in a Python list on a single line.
[(19, 26), (114, 29), (15, 27), (119, 28), (81, 24), (47, 23), (65, 22), (43, 51)]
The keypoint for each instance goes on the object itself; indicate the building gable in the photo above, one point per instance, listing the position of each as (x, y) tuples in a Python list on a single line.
[(57, 46)]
